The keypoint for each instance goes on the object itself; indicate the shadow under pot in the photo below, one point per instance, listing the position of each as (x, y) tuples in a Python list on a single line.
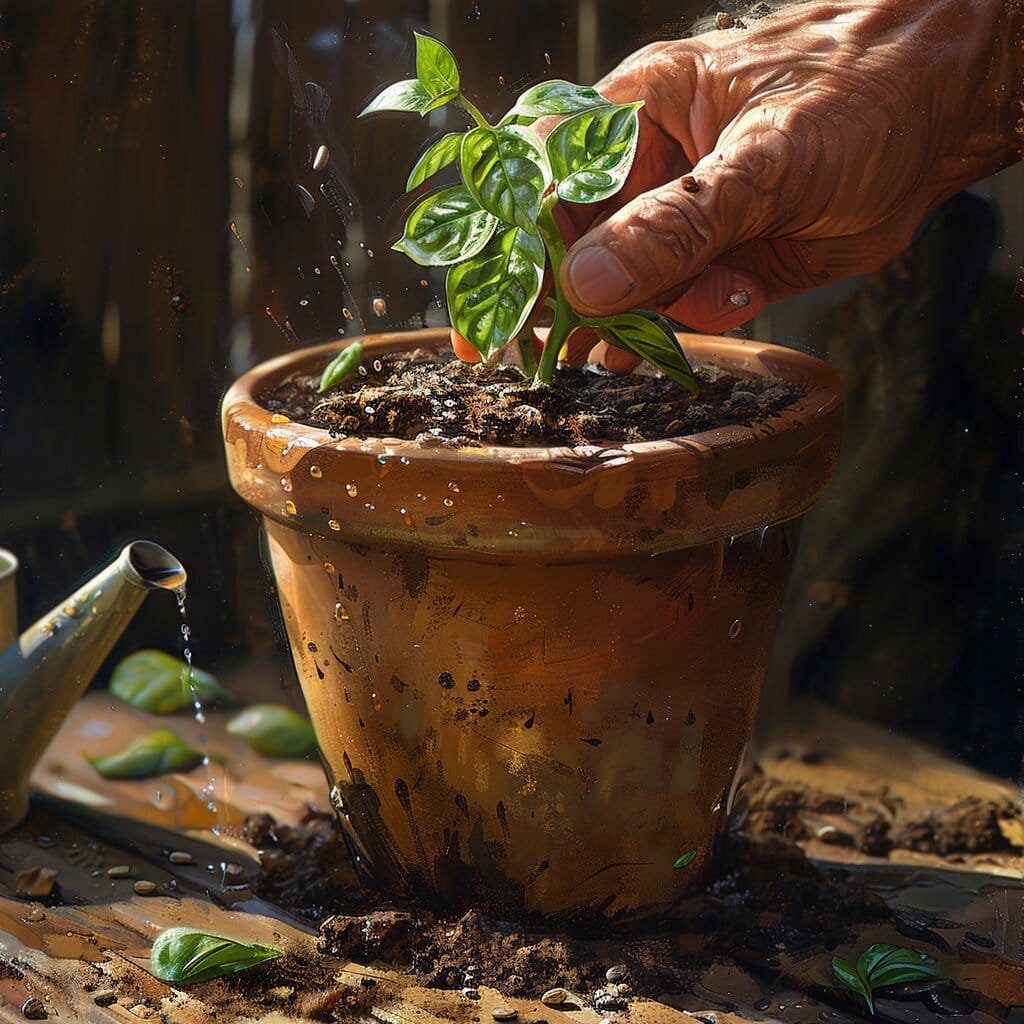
[(540, 719)]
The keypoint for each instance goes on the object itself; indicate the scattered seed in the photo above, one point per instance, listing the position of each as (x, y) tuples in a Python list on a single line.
[(119, 871), (323, 154), (105, 997), (181, 857), (616, 973), (555, 996), (33, 1009), (144, 887), (504, 1013)]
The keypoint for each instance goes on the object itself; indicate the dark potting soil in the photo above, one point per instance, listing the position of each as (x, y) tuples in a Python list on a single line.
[(436, 399)]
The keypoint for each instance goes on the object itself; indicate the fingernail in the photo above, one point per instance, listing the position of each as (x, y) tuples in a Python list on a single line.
[(597, 278)]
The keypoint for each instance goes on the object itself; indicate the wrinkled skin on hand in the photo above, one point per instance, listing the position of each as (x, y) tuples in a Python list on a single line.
[(801, 150)]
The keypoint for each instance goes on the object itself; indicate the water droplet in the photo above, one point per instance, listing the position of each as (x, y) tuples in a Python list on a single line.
[(289, 507), (453, 486), (404, 460), (286, 483), (303, 302), (734, 629), (369, 252), (380, 306), (448, 502), (351, 490), (329, 567), (315, 472), (334, 525), (346, 313), (377, 366), (340, 613), (547, 59)]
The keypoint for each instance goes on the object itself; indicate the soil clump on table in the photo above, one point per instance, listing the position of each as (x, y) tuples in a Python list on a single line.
[(436, 399)]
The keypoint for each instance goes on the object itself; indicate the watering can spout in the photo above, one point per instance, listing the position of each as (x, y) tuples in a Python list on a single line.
[(46, 670)]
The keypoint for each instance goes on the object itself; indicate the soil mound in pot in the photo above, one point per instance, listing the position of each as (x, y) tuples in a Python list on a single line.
[(435, 398)]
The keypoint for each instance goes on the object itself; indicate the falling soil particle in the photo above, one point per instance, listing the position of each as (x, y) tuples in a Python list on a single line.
[(440, 400)]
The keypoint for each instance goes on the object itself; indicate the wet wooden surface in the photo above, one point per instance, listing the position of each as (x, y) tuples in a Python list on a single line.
[(89, 943)]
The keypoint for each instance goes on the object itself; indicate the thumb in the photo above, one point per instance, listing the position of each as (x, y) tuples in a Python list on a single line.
[(650, 251)]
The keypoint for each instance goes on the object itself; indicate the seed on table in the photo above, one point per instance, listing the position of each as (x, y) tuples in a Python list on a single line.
[(144, 887), (504, 1013), (180, 857), (616, 973), (119, 871), (555, 996), (33, 1009)]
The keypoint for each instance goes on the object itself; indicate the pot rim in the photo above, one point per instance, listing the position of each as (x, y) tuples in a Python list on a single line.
[(805, 436)]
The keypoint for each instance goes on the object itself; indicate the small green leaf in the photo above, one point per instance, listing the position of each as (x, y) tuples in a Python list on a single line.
[(649, 336), (591, 153), (506, 171), (159, 683), (443, 152), (156, 754), (343, 365), (274, 730), (436, 69), (685, 859), (554, 97), (446, 227), (408, 96), (187, 956), (491, 294), (847, 974)]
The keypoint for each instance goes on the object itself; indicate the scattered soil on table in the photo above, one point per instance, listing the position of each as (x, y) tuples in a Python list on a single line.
[(436, 399)]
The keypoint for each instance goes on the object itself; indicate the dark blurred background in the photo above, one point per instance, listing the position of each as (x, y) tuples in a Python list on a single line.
[(163, 229)]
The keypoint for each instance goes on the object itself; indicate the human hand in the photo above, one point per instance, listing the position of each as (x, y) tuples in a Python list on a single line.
[(801, 150)]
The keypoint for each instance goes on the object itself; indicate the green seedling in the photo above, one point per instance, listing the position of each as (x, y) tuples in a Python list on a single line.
[(881, 965), (186, 956), (495, 230)]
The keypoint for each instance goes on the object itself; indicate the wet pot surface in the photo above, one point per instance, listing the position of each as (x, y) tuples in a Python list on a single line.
[(533, 672)]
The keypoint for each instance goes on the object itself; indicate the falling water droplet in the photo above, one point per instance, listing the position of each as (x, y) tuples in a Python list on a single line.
[(734, 629), (289, 507), (547, 59)]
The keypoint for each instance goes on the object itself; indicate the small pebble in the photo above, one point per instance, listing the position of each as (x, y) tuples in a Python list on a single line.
[(33, 1009), (616, 973), (180, 857), (119, 871), (555, 996), (144, 887), (471, 993), (105, 997), (504, 1013)]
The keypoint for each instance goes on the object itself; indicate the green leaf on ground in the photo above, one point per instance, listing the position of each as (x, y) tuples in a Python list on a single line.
[(591, 154), (157, 753), (159, 683), (341, 367), (186, 956), (274, 730), (649, 336), (882, 965), (506, 171), (446, 227), (491, 295)]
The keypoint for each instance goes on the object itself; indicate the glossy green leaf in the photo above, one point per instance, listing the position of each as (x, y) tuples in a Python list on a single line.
[(159, 683), (156, 754), (847, 974), (342, 366), (436, 69), (274, 730), (446, 227), (491, 295), (407, 96), (649, 336), (591, 153), (685, 859), (554, 97), (506, 171), (186, 956), (440, 154)]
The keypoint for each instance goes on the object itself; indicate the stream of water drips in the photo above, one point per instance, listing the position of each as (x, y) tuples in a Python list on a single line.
[(206, 793)]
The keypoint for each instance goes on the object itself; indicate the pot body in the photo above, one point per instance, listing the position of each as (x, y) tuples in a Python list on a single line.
[(533, 674)]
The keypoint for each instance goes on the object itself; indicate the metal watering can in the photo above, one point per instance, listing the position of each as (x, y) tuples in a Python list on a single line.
[(45, 670)]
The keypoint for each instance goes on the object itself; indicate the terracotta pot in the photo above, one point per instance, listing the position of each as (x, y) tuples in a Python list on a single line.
[(533, 671)]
